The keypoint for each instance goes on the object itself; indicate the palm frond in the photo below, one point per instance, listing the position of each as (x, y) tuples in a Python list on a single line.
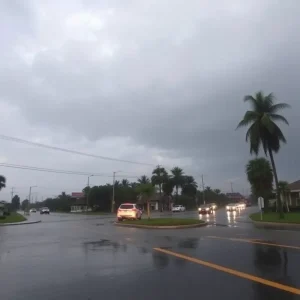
[(254, 135), (276, 117), (270, 99), (252, 100), (267, 123), (249, 117), (275, 108)]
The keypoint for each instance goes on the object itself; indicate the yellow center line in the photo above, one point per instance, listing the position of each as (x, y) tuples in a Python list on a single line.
[(252, 241), (231, 271)]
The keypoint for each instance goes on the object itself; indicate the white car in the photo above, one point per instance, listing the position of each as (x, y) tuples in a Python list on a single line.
[(33, 210), (178, 208), (242, 205), (232, 207), (129, 211), (45, 210)]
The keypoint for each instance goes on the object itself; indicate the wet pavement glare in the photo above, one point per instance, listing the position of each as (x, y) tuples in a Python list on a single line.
[(83, 257)]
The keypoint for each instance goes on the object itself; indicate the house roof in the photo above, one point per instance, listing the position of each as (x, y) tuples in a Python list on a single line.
[(294, 185), (234, 195)]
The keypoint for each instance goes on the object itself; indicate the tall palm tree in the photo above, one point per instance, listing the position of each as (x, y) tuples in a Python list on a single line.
[(177, 179), (117, 183), (189, 186), (208, 189), (217, 191), (125, 182), (263, 131), (260, 176), (2, 182), (143, 179), (159, 176)]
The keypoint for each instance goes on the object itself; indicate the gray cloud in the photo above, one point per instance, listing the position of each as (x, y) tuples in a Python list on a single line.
[(172, 80)]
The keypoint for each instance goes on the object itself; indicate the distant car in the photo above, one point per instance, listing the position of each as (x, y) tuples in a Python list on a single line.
[(242, 205), (33, 210), (45, 211), (178, 208), (248, 203), (205, 209), (232, 207), (213, 205), (129, 211)]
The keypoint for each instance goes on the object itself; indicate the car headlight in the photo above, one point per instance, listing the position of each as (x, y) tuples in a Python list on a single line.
[(207, 208), (227, 207)]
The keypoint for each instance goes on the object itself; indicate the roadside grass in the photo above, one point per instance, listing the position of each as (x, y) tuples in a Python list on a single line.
[(274, 217), (163, 222), (13, 218)]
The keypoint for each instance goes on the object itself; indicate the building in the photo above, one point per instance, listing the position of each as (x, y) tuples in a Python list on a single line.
[(235, 197), (294, 193), (157, 202), (80, 203)]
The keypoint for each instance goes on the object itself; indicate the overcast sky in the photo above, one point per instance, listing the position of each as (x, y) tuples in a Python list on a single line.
[(158, 82)]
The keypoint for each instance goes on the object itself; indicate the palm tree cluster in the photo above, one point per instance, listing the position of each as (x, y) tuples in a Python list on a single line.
[(263, 130), (177, 179)]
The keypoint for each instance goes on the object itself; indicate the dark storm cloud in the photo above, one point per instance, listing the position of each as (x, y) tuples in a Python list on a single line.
[(174, 83)]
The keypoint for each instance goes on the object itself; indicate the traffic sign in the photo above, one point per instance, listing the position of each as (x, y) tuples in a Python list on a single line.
[(261, 203)]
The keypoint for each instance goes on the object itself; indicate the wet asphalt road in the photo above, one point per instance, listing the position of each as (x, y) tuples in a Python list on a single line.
[(86, 257)]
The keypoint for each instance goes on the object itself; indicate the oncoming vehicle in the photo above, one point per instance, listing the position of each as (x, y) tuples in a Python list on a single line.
[(129, 211), (232, 207), (33, 210), (178, 208), (242, 205), (205, 209), (213, 206), (44, 211)]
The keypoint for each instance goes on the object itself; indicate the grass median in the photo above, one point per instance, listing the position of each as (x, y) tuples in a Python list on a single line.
[(163, 222), (292, 218), (12, 218)]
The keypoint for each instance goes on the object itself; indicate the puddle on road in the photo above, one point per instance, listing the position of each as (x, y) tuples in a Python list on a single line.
[(104, 245), (190, 243)]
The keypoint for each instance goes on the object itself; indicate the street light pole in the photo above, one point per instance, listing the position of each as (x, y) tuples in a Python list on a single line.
[(29, 200)]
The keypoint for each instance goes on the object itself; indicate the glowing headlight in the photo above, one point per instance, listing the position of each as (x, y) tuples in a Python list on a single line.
[(227, 207), (207, 208)]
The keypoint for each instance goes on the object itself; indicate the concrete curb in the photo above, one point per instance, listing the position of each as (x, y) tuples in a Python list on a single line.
[(276, 226), (160, 227), (20, 223)]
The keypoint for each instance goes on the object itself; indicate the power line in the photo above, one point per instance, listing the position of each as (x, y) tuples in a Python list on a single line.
[(58, 171), (17, 140)]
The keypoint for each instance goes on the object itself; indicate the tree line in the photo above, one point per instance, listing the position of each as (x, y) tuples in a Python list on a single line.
[(175, 185)]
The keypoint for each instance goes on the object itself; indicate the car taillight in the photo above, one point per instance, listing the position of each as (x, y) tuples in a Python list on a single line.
[(134, 209)]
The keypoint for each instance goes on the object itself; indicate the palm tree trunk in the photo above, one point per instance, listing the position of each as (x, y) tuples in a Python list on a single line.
[(279, 203)]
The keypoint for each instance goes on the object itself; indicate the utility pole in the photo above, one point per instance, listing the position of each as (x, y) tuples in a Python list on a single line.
[(30, 195), (88, 195), (113, 195), (203, 190)]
